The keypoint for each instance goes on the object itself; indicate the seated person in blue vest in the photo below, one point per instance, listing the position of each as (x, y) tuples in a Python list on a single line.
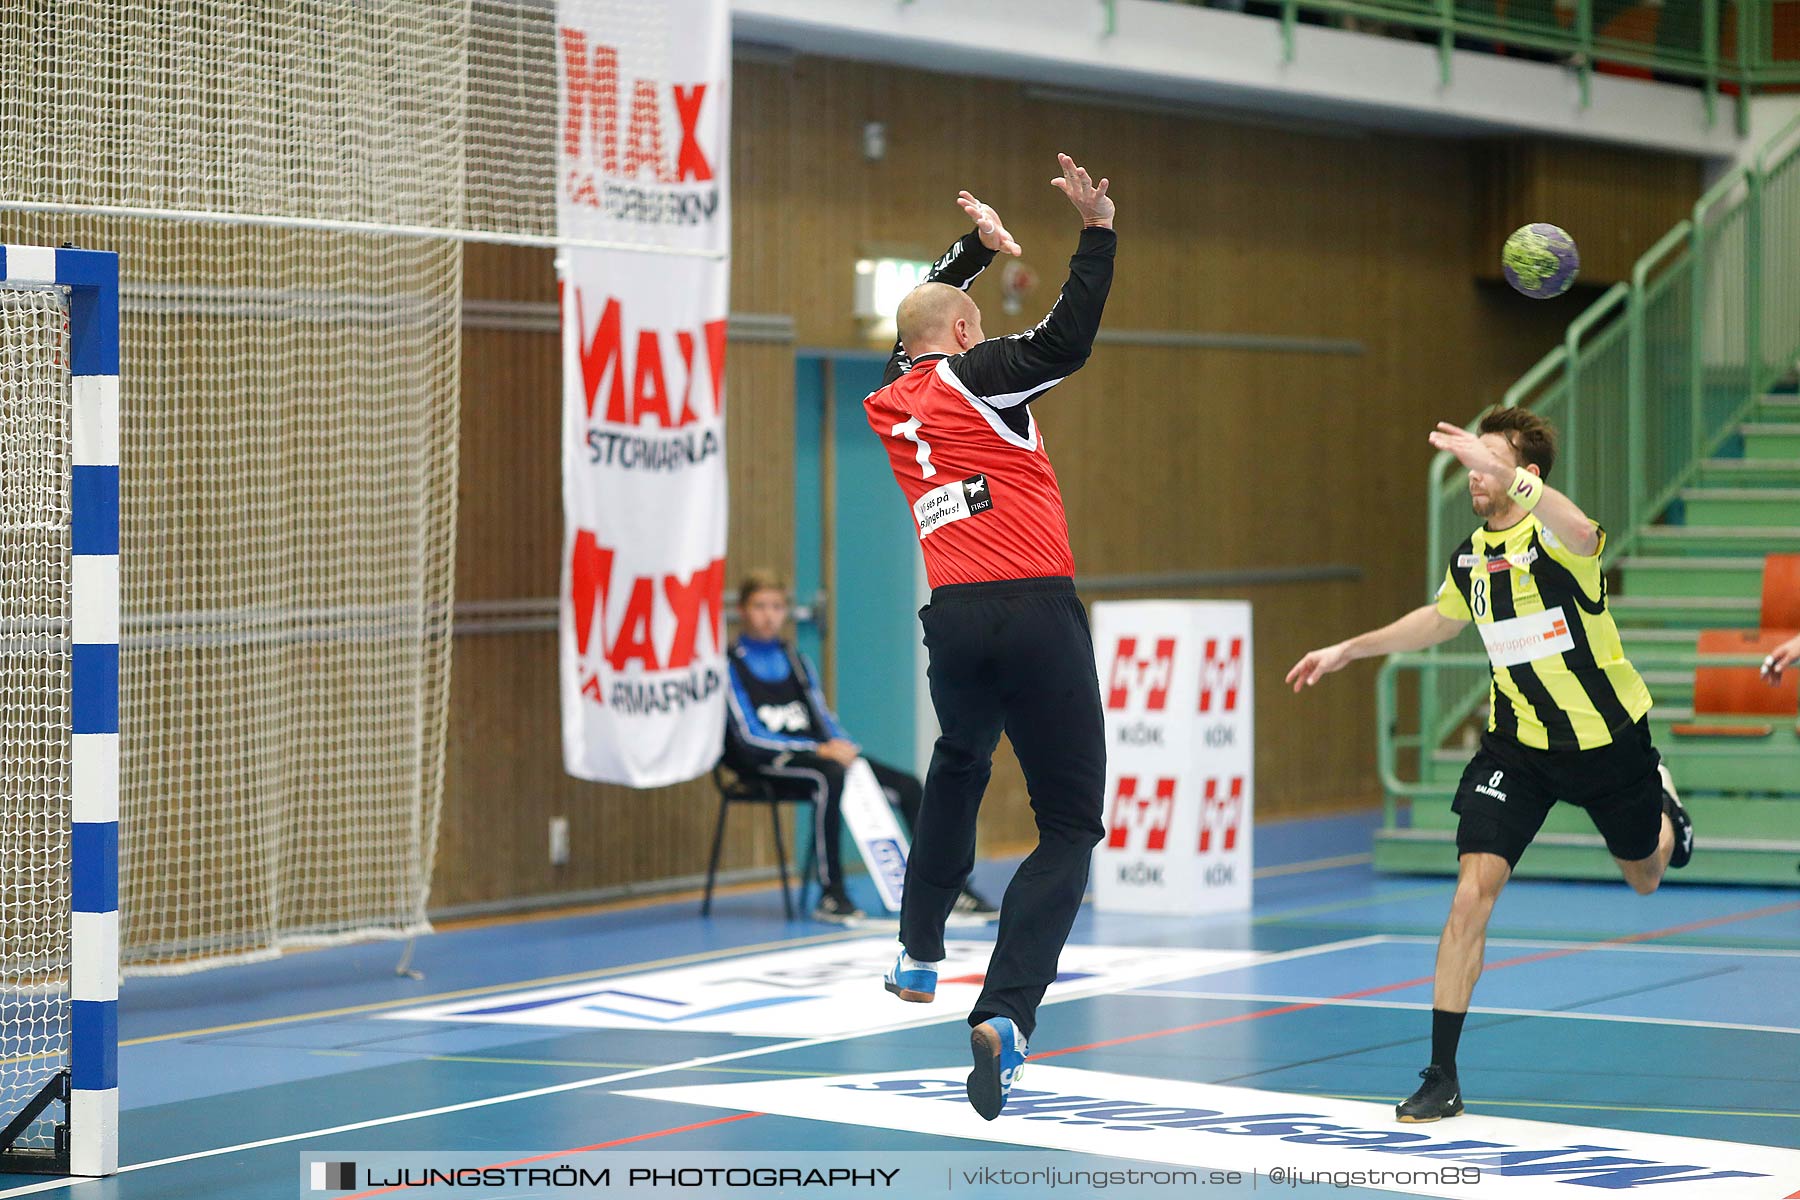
[(781, 730)]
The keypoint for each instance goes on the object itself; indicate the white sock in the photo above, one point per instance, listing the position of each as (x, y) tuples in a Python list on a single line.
[(908, 963)]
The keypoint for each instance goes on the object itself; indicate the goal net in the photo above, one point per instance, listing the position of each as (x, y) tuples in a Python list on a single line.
[(35, 717), (290, 188), (270, 176)]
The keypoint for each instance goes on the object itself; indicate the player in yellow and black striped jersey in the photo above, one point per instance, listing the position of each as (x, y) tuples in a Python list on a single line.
[(1560, 678), (1566, 710)]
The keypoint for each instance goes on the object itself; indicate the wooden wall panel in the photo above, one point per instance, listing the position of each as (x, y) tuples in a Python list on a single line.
[(1614, 202), (1171, 458), (504, 779), (1205, 459)]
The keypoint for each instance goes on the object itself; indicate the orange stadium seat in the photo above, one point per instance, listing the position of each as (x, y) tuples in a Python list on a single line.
[(1737, 691), (1781, 592)]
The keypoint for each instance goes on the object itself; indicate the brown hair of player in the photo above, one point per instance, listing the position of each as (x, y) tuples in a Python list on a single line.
[(1532, 438)]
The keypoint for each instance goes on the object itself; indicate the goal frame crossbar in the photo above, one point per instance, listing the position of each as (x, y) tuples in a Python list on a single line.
[(91, 280)]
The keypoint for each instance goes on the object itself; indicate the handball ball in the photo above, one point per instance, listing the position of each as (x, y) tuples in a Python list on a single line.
[(1540, 261)]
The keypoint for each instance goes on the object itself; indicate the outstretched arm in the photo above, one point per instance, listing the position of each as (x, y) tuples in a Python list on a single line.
[(1422, 627), (1560, 515), (967, 257), (1009, 371)]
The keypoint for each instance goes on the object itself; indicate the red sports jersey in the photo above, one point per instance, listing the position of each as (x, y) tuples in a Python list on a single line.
[(984, 497), (961, 436)]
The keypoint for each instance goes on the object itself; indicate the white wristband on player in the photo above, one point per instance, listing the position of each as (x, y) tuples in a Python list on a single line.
[(1527, 489)]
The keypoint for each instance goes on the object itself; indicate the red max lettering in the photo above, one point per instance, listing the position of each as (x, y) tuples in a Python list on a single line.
[(700, 593), (593, 93), (634, 640), (590, 578), (693, 601), (691, 163), (591, 85), (604, 366), (684, 341), (649, 393), (643, 138)]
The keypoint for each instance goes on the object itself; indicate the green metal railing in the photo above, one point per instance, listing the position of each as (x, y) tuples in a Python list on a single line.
[(1713, 44), (1648, 382), (1390, 749)]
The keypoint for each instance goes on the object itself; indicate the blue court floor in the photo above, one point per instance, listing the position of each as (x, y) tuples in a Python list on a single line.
[(1606, 1027)]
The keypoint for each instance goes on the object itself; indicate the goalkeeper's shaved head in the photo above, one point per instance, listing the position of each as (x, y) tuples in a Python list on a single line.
[(937, 317)]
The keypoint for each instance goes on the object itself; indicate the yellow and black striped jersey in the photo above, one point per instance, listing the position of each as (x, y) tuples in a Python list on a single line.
[(1561, 680)]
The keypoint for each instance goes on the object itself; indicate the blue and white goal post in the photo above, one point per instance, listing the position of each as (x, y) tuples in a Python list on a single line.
[(59, 928)]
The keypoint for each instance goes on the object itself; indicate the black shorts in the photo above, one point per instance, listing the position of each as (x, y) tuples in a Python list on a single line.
[(1507, 790)]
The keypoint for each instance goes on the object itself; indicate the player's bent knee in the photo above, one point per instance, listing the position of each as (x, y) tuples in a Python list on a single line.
[(1471, 905), (1482, 873), (1082, 836)]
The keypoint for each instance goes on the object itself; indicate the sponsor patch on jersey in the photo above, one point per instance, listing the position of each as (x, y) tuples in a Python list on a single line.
[(1526, 639), (952, 502), (1517, 562)]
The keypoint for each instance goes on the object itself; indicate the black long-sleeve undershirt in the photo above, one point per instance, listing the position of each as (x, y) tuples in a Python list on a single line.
[(958, 267), (1007, 373)]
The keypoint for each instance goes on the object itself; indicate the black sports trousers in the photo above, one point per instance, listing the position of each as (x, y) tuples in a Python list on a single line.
[(1016, 656)]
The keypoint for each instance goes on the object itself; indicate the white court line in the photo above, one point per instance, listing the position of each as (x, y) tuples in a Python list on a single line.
[(643, 1072), (465, 1106), (1276, 957), (1635, 947), (1327, 1001), (1313, 864)]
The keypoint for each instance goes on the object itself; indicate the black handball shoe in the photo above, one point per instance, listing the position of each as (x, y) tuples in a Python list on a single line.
[(971, 904), (835, 907), (1438, 1097)]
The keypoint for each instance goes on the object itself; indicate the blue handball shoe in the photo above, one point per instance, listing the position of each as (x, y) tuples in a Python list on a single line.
[(999, 1051), (913, 981)]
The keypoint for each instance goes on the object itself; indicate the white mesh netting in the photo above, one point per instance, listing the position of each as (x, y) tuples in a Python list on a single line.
[(34, 701), (290, 415), (288, 187), (514, 49)]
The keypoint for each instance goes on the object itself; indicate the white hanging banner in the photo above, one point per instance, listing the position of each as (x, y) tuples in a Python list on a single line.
[(1175, 677), (642, 155)]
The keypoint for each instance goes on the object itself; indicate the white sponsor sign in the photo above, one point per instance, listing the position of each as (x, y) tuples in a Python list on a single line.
[(811, 991), (1207, 1125), (1175, 677), (642, 157), (1525, 639), (878, 835)]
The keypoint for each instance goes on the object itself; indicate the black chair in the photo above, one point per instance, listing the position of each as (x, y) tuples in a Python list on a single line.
[(748, 789)]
